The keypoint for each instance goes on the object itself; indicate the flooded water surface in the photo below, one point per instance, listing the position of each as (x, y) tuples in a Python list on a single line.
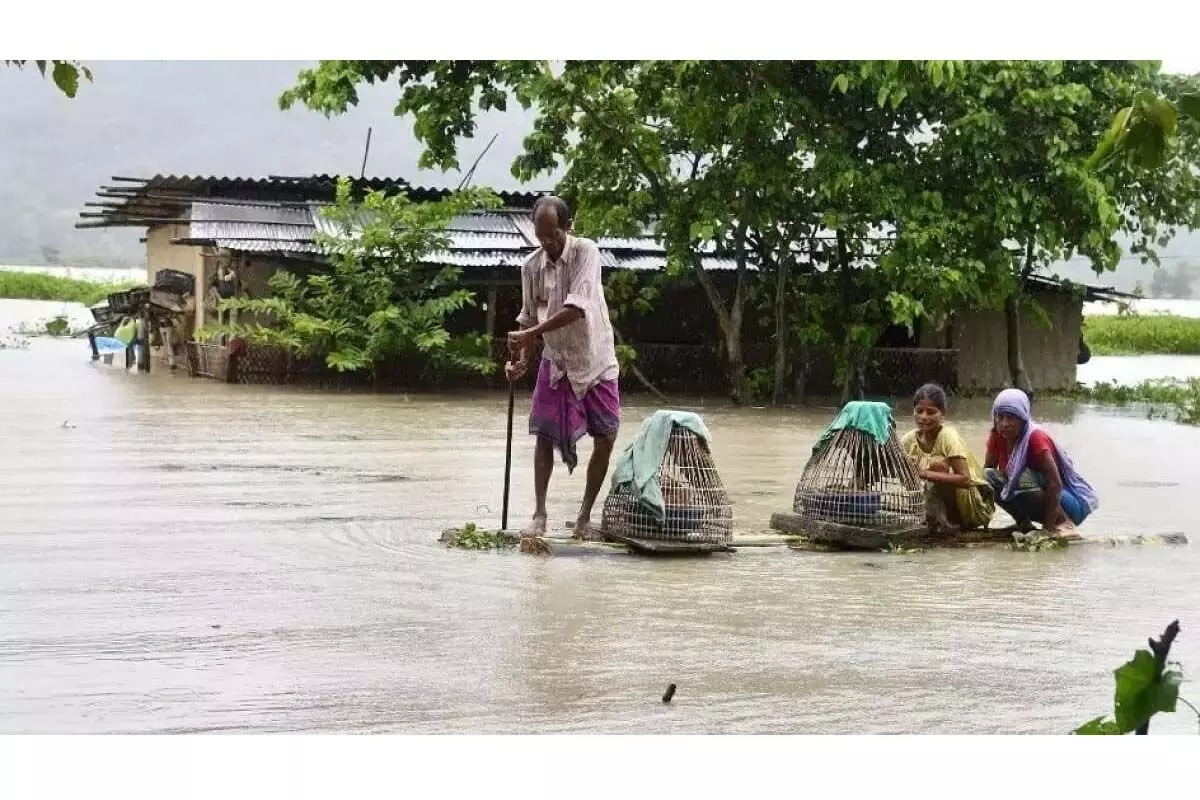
[(180, 555)]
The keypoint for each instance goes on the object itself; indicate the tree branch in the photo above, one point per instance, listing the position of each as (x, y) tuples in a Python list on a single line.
[(637, 373)]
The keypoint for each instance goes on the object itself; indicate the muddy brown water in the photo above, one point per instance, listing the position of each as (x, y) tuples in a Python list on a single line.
[(178, 555)]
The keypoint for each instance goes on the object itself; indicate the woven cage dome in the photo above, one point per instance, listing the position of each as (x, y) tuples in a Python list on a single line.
[(853, 479), (696, 507)]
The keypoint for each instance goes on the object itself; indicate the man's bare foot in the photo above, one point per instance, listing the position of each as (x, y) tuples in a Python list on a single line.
[(536, 528), (585, 531)]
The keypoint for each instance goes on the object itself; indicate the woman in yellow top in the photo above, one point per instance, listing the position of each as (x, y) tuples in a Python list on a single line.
[(958, 496)]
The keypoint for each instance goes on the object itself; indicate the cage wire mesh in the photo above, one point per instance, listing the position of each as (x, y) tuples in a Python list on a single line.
[(696, 507), (852, 479)]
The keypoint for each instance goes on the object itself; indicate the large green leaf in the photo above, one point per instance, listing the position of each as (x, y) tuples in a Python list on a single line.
[(1099, 727), (1189, 105), (1138, 695), (66, 77)]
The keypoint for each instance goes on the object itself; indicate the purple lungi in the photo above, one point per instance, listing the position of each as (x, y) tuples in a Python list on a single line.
[(563, 418)]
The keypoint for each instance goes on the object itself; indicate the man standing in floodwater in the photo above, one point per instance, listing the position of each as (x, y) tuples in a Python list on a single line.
[(562, 304)]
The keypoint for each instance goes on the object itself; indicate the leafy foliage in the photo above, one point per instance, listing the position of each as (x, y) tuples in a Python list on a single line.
[(736, 158), (378, 299), (65, 74), (1143, 132), (922, 186)]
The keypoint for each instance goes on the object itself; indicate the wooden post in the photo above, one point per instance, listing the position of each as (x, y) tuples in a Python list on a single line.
[(231, 365), (92, 342), (144, 338), (490, 314), (168, 338)]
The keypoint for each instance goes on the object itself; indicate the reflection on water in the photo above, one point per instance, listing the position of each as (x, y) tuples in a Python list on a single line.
[(184, 556)]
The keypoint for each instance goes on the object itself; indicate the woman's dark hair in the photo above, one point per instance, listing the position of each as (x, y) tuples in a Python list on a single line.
[(933, 393)]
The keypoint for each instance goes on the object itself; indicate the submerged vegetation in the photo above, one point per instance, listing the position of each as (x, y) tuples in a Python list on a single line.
[(1168, 398), (58, 325), (1137, 334), (35, 286), (1036, 542), (471, 537)]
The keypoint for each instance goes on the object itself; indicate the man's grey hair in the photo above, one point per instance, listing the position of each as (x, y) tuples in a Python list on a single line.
[(562, 211)]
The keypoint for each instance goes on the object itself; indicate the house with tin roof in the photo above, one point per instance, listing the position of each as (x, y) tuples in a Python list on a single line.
[(205, 226)]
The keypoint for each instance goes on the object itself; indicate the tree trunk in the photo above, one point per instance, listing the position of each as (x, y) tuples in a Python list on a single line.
[(1016, 361), (737, 366), (729, 319), (851, 379), (1012, 324), (854, 358), (802, 371), (779, 394)]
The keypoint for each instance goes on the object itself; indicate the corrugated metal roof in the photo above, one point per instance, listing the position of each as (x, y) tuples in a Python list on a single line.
[(256, 228), (485, 239), (654, 262), (314, 186), (486, 222), (478, 259), (228, 211), (266, 246), (645, 244), (462, 240)]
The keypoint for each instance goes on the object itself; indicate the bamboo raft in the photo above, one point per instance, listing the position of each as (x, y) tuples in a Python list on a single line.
[(787, 536)]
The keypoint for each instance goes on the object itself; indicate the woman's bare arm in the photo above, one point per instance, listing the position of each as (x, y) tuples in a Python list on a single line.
[(1053, 489), (959, 475)]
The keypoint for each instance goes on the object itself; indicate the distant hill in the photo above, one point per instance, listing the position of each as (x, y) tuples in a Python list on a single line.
[(221, 117)]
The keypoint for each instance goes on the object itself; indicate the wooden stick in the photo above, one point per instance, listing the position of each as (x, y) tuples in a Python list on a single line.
[(508, 457), (471, 172), (366, 151)]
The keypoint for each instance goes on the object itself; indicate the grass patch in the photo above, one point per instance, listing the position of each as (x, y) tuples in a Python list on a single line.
[(1138, 334), (1166, 397), (34, 286)]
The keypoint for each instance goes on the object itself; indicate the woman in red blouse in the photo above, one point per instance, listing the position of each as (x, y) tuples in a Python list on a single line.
[(1032, 476)]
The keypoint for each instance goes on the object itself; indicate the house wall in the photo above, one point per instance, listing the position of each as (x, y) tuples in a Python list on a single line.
[(254, 276), (161, 254), (1049, 350)]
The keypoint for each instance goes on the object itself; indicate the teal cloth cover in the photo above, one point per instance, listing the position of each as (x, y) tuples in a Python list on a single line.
[(863, 415), (640, 464)]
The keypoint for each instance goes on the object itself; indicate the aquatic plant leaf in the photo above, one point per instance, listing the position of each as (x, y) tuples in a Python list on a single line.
[(1138, 695), (1099, 727)]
